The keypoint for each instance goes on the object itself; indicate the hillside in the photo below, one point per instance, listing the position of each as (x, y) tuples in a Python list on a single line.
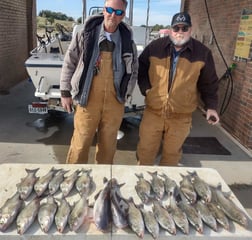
[(42, 23)]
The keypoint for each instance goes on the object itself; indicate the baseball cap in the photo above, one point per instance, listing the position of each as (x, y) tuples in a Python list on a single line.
[(181, 18)]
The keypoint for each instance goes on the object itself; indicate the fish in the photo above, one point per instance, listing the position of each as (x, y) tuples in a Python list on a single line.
[(170, 184), (187, 189), (27, 215), (25, 187), (192, 214), (143, 188), (201, 187), (42, 183), (163, 217), (46, 214), (157, 185), (135, 219), (62, 214), (206, 214), (230, 208), (119, 206), (55, 182), (214, 194), (85, 184), (151, 223), (219, 215), (79, 213), (9, 211), (177, 214), (102, 206), (119, 219), (68, 183)]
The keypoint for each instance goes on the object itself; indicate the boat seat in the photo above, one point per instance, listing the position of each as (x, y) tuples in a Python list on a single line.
[(54, 50)]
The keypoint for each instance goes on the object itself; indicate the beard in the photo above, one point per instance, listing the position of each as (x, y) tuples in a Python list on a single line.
[(111, 23), (179, 41)]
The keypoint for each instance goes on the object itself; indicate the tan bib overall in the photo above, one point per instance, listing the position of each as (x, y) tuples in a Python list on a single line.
[(103, 114)]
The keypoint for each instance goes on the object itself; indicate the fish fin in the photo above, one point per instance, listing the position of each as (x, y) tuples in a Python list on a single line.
[(152, 173), (140, 175), (31, 170), (97, 195)]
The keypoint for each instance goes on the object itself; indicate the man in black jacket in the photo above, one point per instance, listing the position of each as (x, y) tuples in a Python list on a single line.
[(173, 72)]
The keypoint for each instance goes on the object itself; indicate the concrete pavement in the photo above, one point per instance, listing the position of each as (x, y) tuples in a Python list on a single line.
[(26, 138)]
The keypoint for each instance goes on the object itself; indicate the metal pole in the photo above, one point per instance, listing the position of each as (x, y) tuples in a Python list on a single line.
[(147, 22), (83, 10), (131, 12)]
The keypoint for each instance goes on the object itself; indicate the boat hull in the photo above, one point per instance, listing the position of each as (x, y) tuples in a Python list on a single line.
[(44, 70)]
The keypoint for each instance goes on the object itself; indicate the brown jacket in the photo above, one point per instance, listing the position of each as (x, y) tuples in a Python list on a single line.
[(195, 76)]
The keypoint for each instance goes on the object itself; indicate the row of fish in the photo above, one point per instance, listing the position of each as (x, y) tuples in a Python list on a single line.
[(55, 180), (191, 201), (164, 204), (44, 206), (46, 212)]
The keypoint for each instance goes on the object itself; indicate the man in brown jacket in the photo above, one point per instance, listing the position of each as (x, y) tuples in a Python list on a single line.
[(173, 72)]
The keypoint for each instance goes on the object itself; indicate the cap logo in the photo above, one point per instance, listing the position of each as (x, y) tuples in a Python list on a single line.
[(180, 18)]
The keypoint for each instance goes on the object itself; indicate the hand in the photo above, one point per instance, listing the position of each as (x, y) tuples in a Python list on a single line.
[(212, 116), (67, 103)]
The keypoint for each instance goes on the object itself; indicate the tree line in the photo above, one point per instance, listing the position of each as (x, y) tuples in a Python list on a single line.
[(54, 15), (157, 27)]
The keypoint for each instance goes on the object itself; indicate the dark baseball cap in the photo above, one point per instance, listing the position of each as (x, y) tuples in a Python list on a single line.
[(181, 18)]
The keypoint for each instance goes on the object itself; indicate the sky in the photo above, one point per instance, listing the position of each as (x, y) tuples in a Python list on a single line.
[(160, 11)]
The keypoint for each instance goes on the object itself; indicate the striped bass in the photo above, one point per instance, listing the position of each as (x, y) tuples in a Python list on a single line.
[(26, 185), (230, 208)]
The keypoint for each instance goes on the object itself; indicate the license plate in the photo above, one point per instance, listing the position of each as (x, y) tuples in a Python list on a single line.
[(37, 109)]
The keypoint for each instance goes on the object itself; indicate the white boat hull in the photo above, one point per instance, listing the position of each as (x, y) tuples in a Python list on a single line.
[(44, 70)]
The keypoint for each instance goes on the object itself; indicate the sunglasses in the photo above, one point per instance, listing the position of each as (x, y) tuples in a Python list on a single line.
[(183, 29), (118, 12)]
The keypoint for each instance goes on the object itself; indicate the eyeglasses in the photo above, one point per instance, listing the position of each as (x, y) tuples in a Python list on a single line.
[(183, 29), (118, 12)]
